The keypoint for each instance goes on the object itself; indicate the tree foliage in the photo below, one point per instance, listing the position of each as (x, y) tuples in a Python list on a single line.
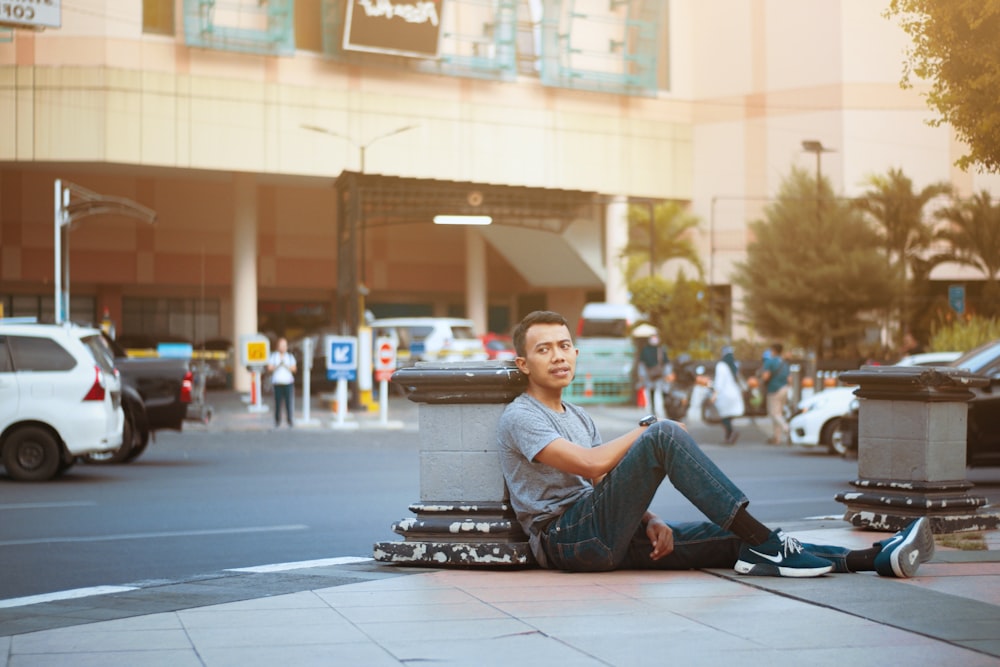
[(899, 216), (973, 230), (669, 238), (955, 48), (677, 309), (813, 270)]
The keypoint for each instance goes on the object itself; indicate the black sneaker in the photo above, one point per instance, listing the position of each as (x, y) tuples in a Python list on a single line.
[(780, 556), (903, 553)]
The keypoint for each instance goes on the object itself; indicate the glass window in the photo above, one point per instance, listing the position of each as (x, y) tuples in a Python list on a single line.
[(103, 355), (463, 333), (158, 17), (32, 353)]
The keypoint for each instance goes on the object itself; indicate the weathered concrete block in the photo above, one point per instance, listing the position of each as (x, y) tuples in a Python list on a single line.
[(911, 450), (469, 476), (463, 518), (911, 440)]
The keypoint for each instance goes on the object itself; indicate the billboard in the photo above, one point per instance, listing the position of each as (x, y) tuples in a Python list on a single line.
[(396, 27), (30, 13)]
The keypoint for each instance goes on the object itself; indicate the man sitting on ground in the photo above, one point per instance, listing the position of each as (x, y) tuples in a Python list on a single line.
[(584, 503)]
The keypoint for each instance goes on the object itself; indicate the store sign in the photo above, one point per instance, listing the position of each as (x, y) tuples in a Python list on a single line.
[(397, 27), (34, 13)]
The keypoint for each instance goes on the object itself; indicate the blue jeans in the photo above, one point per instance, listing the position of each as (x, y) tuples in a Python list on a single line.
[(603, 531), (283, 396)]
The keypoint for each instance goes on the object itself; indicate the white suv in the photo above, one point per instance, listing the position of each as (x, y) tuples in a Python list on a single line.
[(58, 399), (431, 339)]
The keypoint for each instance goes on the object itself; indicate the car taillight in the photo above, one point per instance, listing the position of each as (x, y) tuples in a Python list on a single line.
[(186, 387), (96, 392)]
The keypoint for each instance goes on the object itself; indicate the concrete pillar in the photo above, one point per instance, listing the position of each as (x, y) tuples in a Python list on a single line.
[(912, 428), (464, 518), (475, 280), (615, 238), (244, 267)]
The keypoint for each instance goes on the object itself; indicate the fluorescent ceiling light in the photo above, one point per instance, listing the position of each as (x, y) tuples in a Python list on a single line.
[(462, 220)]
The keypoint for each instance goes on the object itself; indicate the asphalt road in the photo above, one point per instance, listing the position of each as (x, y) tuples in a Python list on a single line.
[(197, 503)]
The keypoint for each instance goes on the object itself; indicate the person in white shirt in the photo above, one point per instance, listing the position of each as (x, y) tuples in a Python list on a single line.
[(281, 365), (728, 394)]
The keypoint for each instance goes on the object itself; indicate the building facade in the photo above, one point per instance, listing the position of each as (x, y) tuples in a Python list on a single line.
[(248, 126)]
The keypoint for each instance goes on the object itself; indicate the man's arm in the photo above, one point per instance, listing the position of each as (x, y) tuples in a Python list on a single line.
[(590, 462)]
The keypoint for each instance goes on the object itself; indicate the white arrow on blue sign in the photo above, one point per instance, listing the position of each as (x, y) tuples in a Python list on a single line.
[(341, 357)]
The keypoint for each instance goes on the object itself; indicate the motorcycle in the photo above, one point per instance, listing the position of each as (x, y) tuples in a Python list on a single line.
[(679, 386)]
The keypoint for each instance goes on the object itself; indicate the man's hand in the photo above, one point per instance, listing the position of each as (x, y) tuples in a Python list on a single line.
[(661, 536)]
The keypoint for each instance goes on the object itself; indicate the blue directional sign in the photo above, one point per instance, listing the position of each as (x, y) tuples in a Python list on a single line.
[(341, 357)]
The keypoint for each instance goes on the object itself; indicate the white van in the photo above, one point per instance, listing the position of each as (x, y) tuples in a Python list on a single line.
[(607, 320), (607, 354), (431, 339)]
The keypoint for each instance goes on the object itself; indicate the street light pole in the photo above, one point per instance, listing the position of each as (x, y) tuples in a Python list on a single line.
[(813, 146), (68, 211), (363, 396), (362, 148)]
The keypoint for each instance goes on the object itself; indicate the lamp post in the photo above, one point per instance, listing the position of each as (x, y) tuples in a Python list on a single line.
[(362, 148), (72, 204), (814, 146), (363, 396)]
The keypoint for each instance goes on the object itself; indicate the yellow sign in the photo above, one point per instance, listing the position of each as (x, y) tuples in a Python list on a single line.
[(257, 352)]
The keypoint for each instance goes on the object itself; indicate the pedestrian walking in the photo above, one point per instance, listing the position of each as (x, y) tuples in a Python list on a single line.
[(652, 367), (727, 394), (775, 377)]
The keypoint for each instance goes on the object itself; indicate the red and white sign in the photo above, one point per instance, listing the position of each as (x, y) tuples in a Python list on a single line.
[(385, 358)]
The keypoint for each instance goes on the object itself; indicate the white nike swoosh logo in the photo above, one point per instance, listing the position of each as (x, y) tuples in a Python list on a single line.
[(773, 559)]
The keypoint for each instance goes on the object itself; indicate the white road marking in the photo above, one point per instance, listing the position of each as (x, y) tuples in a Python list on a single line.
[(35, 506), (302, 564), (148, 536), (64, 595)]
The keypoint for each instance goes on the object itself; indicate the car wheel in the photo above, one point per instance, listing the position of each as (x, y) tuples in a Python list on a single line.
[(834, 437), (138, 447), (32, 455), (65, 465), (120, 455)]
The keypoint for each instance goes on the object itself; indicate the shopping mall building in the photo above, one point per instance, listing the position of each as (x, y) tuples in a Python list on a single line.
[(295, 153)]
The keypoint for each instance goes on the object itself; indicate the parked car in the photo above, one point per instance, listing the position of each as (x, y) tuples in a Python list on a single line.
[(498, 347), (215, 356), (431, 339), (819, 419), (155, 395), (982, 438), (60, 398)]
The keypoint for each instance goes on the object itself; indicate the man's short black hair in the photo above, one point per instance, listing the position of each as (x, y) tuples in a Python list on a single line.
[(530, 320), (777, 347)]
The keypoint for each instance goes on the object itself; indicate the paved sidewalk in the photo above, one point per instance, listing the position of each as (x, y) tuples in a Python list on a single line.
[(357, 612)]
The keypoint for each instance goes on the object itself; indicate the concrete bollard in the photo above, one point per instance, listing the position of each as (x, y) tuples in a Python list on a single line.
[(911, 450), (463, 517)]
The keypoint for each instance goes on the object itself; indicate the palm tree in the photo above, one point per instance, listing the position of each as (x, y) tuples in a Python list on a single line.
[(973, 230), (668, 238), (898, 212)]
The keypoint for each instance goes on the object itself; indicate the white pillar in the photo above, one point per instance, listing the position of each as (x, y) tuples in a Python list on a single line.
[(244, 267), (615, 238), (475, 279)]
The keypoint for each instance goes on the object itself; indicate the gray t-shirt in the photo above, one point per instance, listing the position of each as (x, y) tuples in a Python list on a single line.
[(539, 493)]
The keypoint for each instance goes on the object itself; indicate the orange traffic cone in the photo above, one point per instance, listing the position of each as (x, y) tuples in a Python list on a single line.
[(588, 386), (640, 398)]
